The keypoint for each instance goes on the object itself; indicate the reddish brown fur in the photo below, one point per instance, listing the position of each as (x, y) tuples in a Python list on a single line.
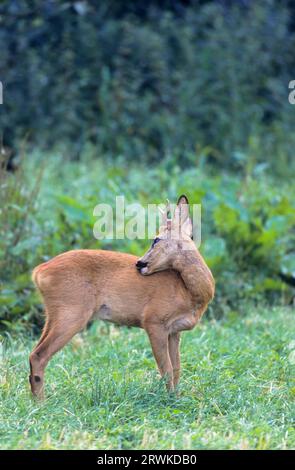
[(83, 284)]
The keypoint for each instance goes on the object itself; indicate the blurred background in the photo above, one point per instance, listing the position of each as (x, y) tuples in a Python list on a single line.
[(148, 100)]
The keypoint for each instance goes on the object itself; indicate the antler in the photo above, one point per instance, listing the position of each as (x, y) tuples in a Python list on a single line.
[(168, 211), (165, 219)]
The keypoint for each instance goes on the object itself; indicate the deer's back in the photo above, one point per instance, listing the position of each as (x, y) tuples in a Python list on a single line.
[(108, 283)]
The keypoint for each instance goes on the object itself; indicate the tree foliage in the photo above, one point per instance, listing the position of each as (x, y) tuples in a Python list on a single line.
[(146, 80)]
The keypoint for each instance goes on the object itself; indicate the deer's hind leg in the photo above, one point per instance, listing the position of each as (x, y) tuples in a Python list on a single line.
[(60, 327), (45, 330)]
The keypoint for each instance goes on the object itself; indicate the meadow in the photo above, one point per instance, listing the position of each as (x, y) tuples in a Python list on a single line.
[(236, 392)]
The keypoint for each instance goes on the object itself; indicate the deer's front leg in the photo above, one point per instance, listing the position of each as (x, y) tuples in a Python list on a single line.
[(158, 337), (174, 353)]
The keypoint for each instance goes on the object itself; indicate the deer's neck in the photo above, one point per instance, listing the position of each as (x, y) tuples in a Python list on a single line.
[(196, 276)]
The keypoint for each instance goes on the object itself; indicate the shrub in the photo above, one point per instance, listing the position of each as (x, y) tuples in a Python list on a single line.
[(247, 230), (147, 82)]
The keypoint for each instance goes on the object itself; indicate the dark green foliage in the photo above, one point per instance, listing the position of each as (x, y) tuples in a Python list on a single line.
[(18, 242), (247, 227), (147, 81)]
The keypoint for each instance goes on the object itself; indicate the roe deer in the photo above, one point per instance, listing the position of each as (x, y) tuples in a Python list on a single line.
[(165, 292)]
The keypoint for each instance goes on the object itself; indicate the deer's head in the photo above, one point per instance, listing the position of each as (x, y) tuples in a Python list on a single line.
[(174, 237)]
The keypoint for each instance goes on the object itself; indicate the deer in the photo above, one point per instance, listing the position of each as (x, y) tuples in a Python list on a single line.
[(165, 292)]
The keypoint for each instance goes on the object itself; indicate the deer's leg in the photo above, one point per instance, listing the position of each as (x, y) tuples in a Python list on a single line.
[(60, 332), (158, 337), (34, 359), (174, 353), (45, 332)]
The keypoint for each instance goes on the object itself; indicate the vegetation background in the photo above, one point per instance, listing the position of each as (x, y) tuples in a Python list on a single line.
[(150, 100)]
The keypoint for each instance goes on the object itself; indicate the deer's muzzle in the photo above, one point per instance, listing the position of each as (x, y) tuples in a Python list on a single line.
[(140, 265)]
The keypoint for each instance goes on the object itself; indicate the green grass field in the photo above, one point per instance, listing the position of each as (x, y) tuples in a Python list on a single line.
[(103, 390)]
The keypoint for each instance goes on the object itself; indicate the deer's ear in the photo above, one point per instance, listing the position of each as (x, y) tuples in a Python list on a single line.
[(181, 219), (187, 227), (183, 208)]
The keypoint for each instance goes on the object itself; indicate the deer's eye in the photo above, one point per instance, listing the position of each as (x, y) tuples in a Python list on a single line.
[(156, 240)]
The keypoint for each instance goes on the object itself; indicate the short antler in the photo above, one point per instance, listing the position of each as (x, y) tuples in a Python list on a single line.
[(166, 214)]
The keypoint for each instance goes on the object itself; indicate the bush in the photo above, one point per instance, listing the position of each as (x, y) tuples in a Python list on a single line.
[(147, 82), (248, 227), (18, 242)]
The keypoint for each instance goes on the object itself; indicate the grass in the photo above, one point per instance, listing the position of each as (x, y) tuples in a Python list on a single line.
[(103, 391)]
